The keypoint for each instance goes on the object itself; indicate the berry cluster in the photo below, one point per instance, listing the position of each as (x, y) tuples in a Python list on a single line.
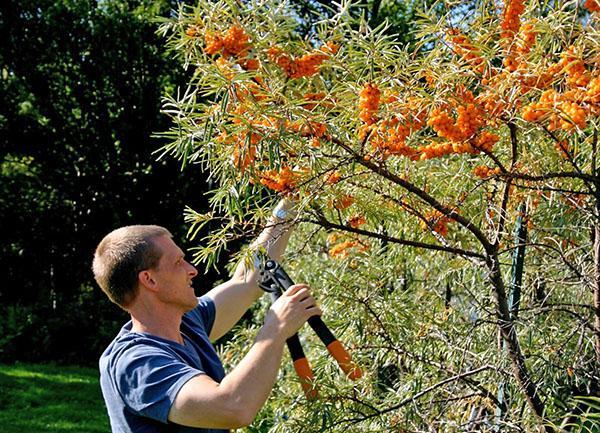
[(305, 66), (511, 18), (474, 145), (389, 137), (356, 221), (462, 46), (485, 141), (461, 132), (192, 31), (284, 180), (436, 221), (592, 5), (368, 103), (333, 177), (574, 67), (527, 38), (313, 100), (342, 202), (592, 95), (233, 44), (469, 118), (519, 48), (563, 148), (307, 128), (244, 147), (341, 250), (483, 171), (561, 111)]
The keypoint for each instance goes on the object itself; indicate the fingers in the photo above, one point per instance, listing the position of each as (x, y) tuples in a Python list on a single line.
[(292, 290), (300, 293), (314, 311), (294, 308)]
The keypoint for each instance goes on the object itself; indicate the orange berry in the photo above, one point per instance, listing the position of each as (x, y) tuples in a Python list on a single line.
[(333, 177), (592, 5)]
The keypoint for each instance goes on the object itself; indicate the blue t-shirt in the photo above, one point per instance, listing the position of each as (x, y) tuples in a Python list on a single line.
[(140, 374)]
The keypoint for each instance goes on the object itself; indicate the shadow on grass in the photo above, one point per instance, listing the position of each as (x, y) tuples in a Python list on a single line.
[(51, 399)]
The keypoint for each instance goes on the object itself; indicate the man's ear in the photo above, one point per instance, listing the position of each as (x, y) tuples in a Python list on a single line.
[(146, 279)]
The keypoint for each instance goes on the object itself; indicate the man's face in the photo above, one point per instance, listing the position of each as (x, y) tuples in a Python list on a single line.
[(174, 276)]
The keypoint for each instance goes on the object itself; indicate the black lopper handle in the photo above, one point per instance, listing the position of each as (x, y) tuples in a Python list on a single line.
[(335, 348), (301, 365)]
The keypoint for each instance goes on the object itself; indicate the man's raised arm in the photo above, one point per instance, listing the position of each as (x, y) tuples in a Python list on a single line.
[(233, 298)]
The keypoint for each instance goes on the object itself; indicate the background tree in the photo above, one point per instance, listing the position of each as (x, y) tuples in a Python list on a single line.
[(81, 84), (413, 168)]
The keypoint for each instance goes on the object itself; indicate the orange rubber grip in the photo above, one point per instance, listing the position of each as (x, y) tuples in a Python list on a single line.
[(307, 379), (344, 359)]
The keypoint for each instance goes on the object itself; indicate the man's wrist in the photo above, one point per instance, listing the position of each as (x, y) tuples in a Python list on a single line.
[(285, 210)]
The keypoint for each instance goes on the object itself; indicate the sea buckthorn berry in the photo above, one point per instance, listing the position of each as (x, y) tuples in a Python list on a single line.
[(368, 103), (592, 5), (511, 17), (465, 49), (304, 66), (356, 221), (283, 180), (333, 177), (330, 47), (235, 42), (563, 148), (192, 31), (341, 249), (484, 172), (213, 43), (436, 221), (343, 202)]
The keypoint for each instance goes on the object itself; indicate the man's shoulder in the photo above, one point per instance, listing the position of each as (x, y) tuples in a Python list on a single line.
[(203, 316), (129, 346)]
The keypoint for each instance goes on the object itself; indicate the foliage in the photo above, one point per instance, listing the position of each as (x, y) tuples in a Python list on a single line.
[(81, 84), (412, 169)]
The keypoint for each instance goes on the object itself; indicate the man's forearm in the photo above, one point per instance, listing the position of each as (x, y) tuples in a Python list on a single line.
[(234, 402), (252, 380)]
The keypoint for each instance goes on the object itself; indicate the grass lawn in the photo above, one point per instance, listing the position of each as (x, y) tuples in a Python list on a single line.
[(48, 398)]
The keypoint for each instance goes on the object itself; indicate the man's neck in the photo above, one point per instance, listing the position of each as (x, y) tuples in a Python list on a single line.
[(161, 324)]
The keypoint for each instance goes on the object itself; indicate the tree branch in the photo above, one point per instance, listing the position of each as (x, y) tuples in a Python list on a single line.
[(417, 395), (451, 213), (330, 225)]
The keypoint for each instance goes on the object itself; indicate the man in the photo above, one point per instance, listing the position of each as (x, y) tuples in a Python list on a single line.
[(161, 373)]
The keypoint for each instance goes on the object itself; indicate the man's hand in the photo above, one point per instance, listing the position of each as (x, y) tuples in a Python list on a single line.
[(288, 313)]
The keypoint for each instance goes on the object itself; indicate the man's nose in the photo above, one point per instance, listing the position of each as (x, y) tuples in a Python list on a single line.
[(192, 270)]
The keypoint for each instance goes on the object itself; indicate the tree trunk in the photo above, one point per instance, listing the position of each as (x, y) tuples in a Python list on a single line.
[(596, 288), (509, 335)]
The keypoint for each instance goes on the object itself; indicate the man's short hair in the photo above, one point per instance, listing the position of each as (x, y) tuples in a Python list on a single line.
[(121, 256)]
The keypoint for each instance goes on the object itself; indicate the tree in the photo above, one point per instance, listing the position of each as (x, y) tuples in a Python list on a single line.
[(489, 126), (82, 84)]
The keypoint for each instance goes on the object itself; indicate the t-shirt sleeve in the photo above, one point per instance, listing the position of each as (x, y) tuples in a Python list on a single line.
[(204, 313), (149, 378)]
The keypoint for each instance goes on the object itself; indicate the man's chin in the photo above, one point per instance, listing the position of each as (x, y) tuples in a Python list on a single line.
[(193, 304)]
